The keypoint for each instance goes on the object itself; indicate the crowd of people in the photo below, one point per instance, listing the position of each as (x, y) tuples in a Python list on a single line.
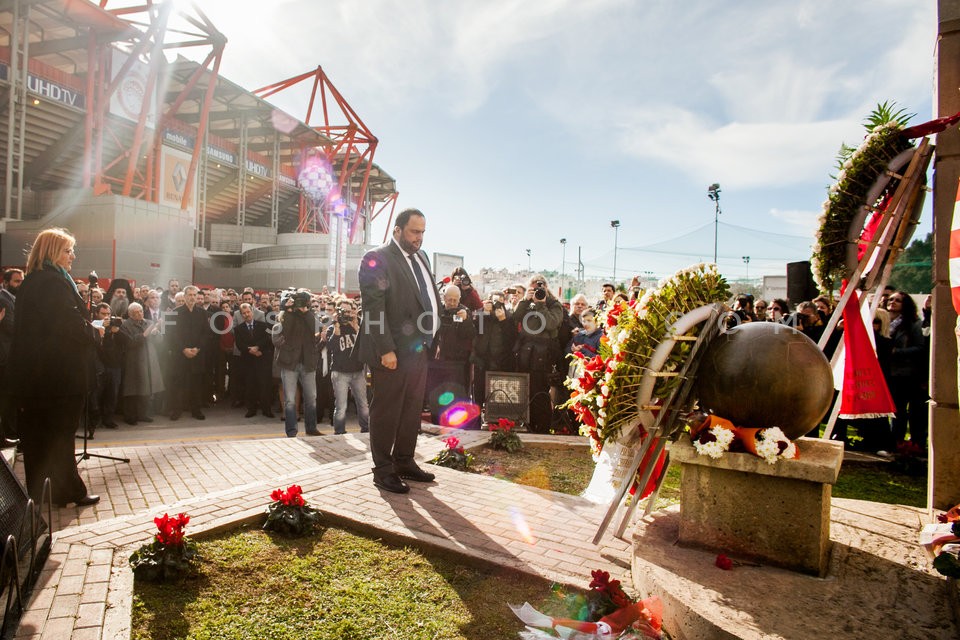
[(179, 350), (901, 332)]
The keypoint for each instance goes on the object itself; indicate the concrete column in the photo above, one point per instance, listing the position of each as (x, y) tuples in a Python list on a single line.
[(944, 473)]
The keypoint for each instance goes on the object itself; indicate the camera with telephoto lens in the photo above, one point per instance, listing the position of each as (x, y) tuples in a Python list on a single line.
[(115, 321), (540, 293)]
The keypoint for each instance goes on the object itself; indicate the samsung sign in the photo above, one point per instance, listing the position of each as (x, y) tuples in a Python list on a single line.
[(49, 90), (186, 142)]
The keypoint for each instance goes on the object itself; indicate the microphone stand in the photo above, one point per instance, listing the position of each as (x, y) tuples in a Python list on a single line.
[(84, 415)]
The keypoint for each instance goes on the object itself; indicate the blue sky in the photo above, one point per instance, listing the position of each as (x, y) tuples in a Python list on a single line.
[(514, 123)]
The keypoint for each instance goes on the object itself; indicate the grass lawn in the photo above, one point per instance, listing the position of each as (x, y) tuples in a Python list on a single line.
[(335, 585)]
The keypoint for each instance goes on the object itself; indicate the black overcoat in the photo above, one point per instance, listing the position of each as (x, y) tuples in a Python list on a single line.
[(54, 346)]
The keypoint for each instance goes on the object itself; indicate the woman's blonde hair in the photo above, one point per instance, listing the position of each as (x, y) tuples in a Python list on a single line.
[(884, 319), (49, 244)]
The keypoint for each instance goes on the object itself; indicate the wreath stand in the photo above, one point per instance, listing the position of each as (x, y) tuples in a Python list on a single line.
[(660, 421), (896, 226)]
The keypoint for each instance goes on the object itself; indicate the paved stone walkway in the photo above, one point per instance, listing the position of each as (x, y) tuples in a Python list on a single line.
[(84, 591)]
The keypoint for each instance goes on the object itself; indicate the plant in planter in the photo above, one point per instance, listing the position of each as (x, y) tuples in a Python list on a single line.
[(502, 436), (454, 456), (170, 555), (289, 514)]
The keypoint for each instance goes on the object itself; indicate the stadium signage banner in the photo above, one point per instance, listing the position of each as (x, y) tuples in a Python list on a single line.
[(53, 91), (187, 141)]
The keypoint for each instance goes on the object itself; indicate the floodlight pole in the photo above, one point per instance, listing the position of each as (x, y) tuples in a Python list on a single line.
[(746, 261), (563, 264), (713, 192), (616, 232)]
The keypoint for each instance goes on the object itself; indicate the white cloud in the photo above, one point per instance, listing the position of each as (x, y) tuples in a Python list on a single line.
[(738, 154), (799, 222)]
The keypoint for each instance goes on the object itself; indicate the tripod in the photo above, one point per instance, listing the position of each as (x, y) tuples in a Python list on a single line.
[(85, 415), (86, 455)]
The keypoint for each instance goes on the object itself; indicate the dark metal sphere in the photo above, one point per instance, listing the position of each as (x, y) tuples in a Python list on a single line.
[(765, 374)]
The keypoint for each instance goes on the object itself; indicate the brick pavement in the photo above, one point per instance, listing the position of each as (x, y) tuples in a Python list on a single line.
[(85, 589)]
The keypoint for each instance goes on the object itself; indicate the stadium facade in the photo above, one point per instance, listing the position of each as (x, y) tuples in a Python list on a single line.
[(163, 168)]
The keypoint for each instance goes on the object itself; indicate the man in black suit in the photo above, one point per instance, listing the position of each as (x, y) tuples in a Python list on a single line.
[(255, 361), (191, 324), (400, 306)]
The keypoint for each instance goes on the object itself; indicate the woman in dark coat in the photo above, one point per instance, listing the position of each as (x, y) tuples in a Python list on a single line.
[(52, 367), (908, 369)]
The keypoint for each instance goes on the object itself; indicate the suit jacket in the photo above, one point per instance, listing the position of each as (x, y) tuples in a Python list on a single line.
[(190, 329), (259, 337), (391, 305)]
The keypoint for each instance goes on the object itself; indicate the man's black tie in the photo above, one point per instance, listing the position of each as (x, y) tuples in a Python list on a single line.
[(427, 325)]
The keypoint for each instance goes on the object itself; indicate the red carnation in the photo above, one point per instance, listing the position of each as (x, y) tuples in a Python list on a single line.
[(724, 562)]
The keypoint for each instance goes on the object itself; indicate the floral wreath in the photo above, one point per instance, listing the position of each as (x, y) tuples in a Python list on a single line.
[(604, 391), (859, 170)]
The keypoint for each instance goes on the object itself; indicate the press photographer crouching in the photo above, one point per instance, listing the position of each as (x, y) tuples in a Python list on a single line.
[(538, 316), (449, 374), (348, 373)]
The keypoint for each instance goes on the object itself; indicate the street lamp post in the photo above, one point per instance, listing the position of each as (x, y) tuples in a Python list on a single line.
[(528, 259), (713, 192), (563, 264), (616, 231), (746, 261)]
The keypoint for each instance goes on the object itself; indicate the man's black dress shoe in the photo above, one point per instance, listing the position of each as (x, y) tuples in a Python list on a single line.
[(250, 413), (198, 415), (85, 501), (268, 414), (110, 424), (132, 422), (315, 432), (391, 483), (416, 474), (175, 415), (145, 419)]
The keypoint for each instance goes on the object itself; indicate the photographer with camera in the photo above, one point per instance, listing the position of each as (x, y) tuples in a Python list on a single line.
[(493, 346), (109, 365), (538, 316), (468, 295), (347, 371), (295, 339), (449, 371)]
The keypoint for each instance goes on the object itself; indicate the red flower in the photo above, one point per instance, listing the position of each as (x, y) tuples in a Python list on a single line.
[(505, 423), (291, 497), (453, 443), (724, 562), (596, 363), (614, 313), (170, 529), (587, 381)]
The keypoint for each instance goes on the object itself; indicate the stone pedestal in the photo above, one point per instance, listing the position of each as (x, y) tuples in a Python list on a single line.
[(777, 514)]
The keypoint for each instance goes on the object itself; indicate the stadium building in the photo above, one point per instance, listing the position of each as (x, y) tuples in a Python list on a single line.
[(164, 169)]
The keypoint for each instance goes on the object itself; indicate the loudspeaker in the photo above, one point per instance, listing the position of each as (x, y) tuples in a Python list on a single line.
[(508, 396), (13, 507), (800, 284)]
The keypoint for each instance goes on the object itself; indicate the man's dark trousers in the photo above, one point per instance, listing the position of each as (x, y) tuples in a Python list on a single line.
[(395, 412)]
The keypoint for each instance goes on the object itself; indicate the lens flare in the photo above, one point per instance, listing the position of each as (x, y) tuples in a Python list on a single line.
[(459, 414), (520, 524), (445, 398)]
